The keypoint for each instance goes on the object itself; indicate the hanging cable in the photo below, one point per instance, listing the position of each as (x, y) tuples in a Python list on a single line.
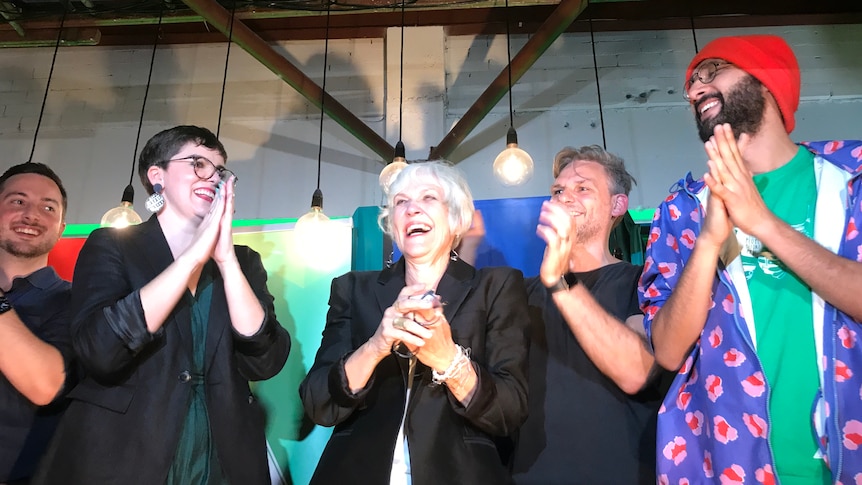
[(693, 32), (47, 86), (146, 94), (314, 236), (598, 86), (509, 67), (513, 166), (401, 76), (124, 214), (399, 158), (323, 93), (226, 61)]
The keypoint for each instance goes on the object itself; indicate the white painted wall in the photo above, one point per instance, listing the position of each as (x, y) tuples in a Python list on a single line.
[(271, 133)]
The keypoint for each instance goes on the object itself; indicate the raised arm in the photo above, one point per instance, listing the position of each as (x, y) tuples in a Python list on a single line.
[(264, 353), (679, 275), (617, 348), (836, 279), (35, 364)]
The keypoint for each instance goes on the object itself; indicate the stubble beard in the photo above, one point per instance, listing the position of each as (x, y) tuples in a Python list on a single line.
[(586, 231), (26, 251), (743, 108)]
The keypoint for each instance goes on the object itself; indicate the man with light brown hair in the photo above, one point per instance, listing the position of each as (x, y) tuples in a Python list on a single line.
[(594, 393)]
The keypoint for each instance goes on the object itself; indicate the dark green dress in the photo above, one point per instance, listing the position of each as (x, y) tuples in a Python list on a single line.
[(196, 461)]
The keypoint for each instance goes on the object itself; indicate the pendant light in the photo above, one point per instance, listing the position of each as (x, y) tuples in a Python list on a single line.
[(312, 229), (47, 87), (124, 215), (513, 166), (399, 161)]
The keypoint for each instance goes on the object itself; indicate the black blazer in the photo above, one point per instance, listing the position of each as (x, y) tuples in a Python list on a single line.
[(449, 444), (126, 416)]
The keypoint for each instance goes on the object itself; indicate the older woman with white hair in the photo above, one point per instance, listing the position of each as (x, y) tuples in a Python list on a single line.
[(422, 366)]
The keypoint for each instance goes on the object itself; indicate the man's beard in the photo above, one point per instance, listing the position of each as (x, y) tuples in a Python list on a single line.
[(743, 109), (586, 231), (27, 251)]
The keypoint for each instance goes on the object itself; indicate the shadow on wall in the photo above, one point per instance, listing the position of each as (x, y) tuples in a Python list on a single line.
[(281, 169)]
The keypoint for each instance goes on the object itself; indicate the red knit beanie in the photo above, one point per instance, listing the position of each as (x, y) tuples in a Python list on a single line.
[(766, 57)]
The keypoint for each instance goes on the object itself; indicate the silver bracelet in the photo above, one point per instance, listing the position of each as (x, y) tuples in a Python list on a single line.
[(459, 362)]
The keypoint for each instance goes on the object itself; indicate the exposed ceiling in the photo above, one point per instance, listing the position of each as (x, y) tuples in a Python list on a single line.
[(254, 24), (129, 22)]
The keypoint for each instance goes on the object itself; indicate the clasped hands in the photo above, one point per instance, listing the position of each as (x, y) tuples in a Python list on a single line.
[(734, 199), (214, 236), (417, 325)]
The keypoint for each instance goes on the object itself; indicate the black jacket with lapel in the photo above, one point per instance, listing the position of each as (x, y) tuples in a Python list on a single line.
[(125, 417), (448, 443)]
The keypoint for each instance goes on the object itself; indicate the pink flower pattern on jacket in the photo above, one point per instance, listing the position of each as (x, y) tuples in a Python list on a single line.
[(714, 423)]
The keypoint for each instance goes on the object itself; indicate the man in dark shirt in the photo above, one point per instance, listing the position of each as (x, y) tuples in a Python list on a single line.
[(35, 348), (594, 388)]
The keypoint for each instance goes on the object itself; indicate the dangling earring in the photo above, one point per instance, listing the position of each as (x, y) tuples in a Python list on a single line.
[(156, 200), (453, 255), (389, 259)]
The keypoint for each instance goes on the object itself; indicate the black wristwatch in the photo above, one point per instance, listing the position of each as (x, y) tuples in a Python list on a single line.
[(5, 306), (560, 285)]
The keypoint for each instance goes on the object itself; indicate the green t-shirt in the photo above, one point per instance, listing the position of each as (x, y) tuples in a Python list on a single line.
[(783, 323)]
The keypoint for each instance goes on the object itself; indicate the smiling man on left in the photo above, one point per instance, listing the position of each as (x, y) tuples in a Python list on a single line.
[(36, 353)]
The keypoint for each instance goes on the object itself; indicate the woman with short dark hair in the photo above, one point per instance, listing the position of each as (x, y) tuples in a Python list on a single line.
[(170, 321)]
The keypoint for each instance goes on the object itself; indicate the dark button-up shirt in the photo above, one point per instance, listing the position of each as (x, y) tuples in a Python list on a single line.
[(41, 301)]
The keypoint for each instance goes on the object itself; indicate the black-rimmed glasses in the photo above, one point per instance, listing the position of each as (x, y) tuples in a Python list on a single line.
[(705, 73), (204, 168)]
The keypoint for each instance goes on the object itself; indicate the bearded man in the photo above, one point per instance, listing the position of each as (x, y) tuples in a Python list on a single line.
[(752, 282)]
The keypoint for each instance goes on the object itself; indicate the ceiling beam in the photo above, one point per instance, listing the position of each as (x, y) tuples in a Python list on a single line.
[(272, 24), (244, 37), (560, 19)]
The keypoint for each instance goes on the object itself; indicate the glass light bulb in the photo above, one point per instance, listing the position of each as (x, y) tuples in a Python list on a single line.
[(513, 166), (389, 172), (121, 216), (315, 239)]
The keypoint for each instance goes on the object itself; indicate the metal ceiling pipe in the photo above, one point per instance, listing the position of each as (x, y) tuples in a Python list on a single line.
[(252, 43), (565, 13)]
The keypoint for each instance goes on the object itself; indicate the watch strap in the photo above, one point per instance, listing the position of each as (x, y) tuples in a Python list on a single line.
[(560, 285), (5, 305)]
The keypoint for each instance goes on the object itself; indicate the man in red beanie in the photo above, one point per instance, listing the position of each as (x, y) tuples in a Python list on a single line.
[(752, 284)]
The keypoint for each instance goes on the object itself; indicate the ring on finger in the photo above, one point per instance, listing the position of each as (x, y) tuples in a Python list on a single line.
[(399, 322)]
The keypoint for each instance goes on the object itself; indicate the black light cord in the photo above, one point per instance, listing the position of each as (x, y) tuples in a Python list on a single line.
[(509, 68), (226, 62), (47, 87), (146, 94), (693, 33), (323, 92), (401, 76), (598, 86)]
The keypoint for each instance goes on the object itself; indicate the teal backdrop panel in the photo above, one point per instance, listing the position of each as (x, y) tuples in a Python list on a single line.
[(367, 240), (301, 301)]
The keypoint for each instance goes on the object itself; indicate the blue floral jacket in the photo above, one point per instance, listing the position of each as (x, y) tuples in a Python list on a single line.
[(714, 423)]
